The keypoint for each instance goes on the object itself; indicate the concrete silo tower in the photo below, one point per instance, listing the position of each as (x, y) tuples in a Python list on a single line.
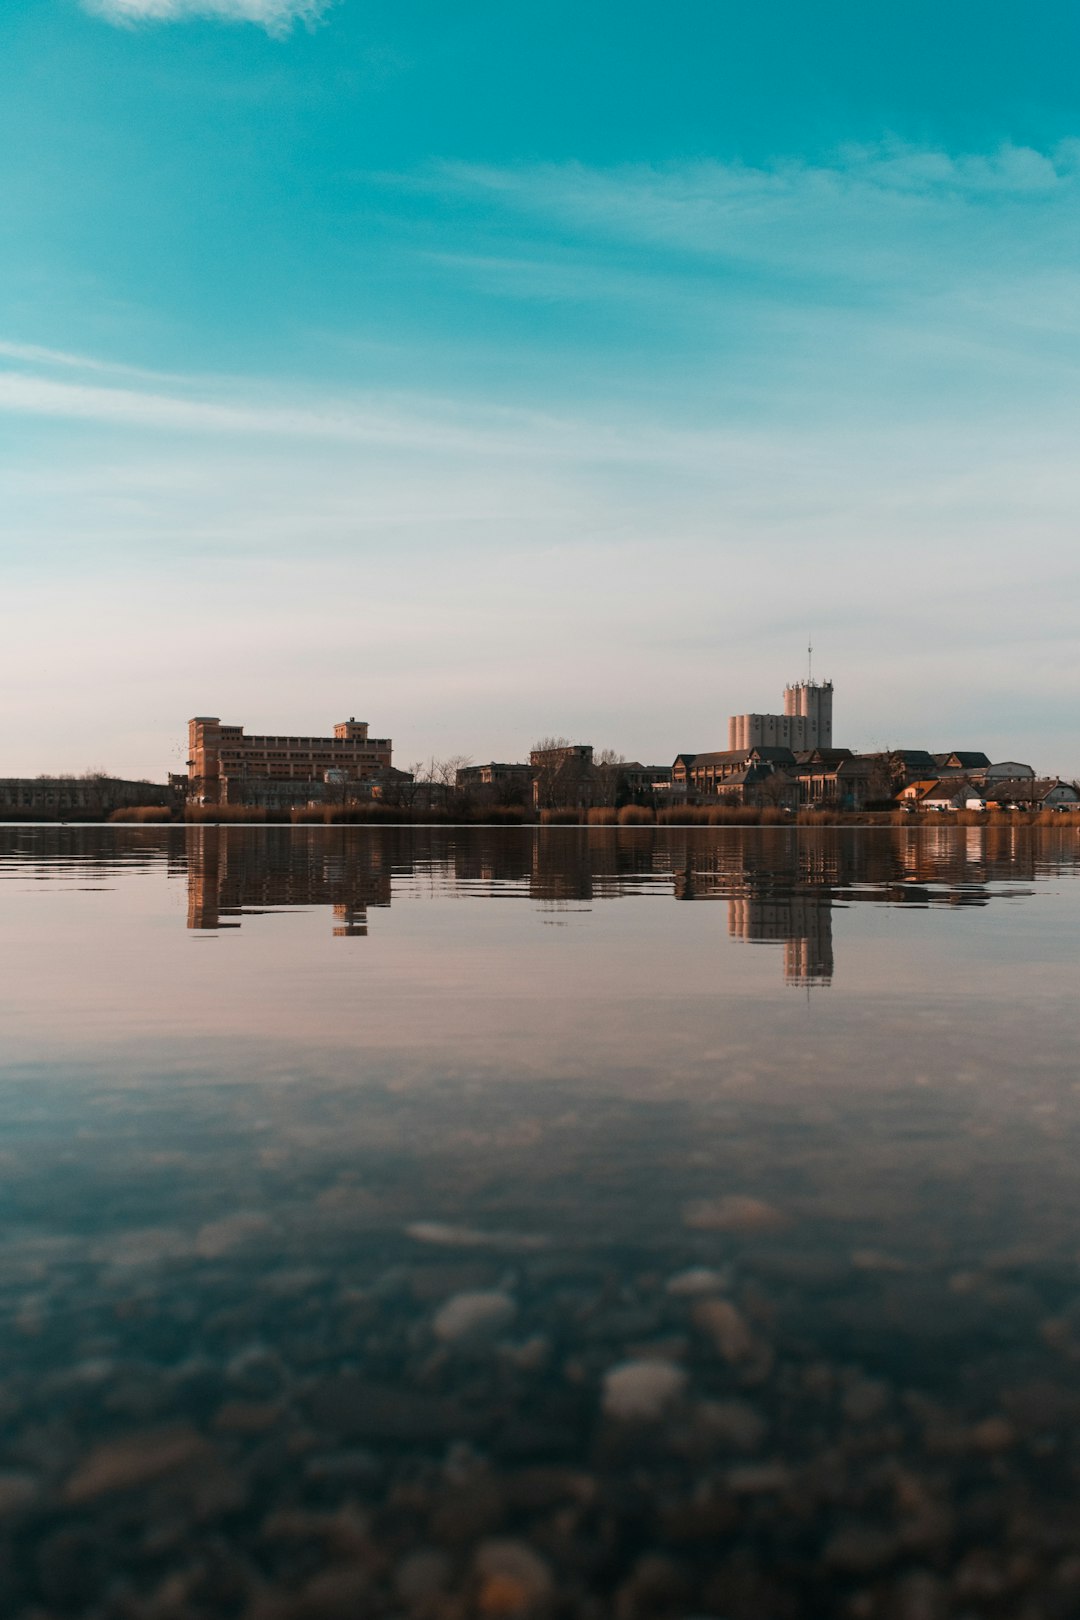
[(811, 701)]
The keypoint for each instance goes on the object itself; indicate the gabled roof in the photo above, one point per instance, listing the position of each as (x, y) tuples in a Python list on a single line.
[(948, 788), (963, 759), (744, 778), (738, 756), (1024, 788), (857, 765), (829, 757), (911, 756)]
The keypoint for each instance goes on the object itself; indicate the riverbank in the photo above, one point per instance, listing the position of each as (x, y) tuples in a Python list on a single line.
[(628, 816)]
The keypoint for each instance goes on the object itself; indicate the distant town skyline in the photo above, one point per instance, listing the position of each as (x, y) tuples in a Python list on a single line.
[(491, 372)]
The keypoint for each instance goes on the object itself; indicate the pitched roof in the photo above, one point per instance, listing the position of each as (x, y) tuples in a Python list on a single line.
[(949, 788), (911, 756), (1024, 788), (738, 756), (963, 759), (829, 757)]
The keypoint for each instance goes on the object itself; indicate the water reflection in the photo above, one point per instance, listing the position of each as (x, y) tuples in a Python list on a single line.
[(233, 872), (493, 1268), (780, 886)]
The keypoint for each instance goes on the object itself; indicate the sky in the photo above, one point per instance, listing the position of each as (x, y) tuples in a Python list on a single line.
[(488, 371)]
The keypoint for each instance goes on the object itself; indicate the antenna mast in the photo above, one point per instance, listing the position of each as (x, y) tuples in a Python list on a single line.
[(810, 660)]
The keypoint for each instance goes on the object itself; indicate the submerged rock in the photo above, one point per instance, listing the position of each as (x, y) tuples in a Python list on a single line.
[(642, 1391), (471, 1318), (514, 1580), (734, 1212), (725, 1325), (138, 1459), (697, 1280)]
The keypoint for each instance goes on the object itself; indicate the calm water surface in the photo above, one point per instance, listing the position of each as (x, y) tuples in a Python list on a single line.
[(454, 1222)]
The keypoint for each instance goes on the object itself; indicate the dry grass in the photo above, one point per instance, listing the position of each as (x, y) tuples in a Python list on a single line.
[(347, 815), (142, 813), (1002, 818), (631, 815)]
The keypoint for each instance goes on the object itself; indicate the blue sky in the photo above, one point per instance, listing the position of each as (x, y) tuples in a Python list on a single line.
[(492, 370)]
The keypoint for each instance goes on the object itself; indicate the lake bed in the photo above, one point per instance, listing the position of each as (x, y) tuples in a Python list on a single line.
[(558, 1221)]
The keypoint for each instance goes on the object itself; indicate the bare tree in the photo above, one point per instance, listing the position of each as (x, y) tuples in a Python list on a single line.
[(609, 775), (435, 780), (445, 771), (775, 790), (887, 776)]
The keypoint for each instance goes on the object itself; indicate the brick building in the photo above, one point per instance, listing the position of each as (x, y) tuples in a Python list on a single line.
[(227, 767)]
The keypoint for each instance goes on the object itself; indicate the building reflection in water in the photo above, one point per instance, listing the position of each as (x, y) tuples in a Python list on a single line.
[(802, 924), (233, 872), (780, 885)]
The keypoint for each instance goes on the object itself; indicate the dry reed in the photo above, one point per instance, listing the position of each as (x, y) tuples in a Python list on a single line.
[(142, 813)]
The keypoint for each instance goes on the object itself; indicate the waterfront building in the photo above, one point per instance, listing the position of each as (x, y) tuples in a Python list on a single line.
[(962, 762), (729, 771), (640, 784), (949, 793), (805, 723), (225, 766), (91, 796), (1007, 770), (835, 778), (565, 777), (497, 782), (1032, 793)]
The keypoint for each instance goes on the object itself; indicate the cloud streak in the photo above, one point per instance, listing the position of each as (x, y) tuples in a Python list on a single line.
[(430, 424), (277, 17), (871, 216)]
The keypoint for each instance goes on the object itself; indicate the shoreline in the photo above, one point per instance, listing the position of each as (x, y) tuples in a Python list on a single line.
[(698, 817)]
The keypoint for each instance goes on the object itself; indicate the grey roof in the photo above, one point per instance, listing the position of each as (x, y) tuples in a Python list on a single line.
[(735, 756), (950, 787), (910, 756), (963, 759), (830, 757), (1024, 787)]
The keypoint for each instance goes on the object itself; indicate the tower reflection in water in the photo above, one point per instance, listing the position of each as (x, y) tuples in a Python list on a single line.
[(780, 885)]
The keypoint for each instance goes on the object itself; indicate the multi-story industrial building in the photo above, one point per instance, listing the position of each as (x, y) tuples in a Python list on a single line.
[(82, 797), (805, 723), (227, 767)]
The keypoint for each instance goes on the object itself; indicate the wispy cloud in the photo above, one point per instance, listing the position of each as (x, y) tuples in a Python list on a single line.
[(276, 16), (391, 421), (869, 215)]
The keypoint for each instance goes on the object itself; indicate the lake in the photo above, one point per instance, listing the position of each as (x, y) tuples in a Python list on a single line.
[(539, 1222)]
